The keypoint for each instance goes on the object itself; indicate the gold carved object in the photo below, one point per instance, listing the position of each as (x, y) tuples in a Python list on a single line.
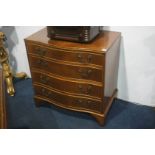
[(7, 73)]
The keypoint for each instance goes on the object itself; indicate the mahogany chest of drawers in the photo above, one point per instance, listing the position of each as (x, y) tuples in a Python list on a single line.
[(76, 76)]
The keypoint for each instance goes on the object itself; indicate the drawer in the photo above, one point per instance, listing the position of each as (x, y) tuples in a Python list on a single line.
[(69, 86), (66, 70), (67, 100), (64, 55)]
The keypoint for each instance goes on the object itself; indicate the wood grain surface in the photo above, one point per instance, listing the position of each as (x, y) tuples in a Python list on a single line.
[(3, 123), (100, 45), (75, 76)]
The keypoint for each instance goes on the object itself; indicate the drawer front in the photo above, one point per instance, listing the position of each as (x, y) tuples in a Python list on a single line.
[(67, 85), (72, 56), (67, 100), (66, 70)]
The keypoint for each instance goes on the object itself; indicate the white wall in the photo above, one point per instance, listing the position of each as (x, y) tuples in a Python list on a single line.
[(137, 60), (16, 45), (137, 64), (20, 51)]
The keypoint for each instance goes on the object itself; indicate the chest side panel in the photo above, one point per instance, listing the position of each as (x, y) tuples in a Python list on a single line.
[(111, 68)]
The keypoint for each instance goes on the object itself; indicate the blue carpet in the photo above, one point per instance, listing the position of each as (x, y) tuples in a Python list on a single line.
[(22, 114)]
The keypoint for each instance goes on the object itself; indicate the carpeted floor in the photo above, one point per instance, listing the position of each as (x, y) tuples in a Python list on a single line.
[(22, 114)]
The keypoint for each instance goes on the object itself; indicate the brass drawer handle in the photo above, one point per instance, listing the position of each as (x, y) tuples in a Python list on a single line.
[(89, 102), (80, 88), (45, 93), (87, 91), (89, 71), (89, 58), (41, 62), (40, 52), (84, 103), (80, 58), (85, 73), (79, 101), (44, 79)]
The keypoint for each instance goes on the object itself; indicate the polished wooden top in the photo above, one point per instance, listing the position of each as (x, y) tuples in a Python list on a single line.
[(101, 44)]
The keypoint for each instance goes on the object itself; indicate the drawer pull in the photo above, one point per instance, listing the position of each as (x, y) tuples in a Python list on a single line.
[(89, 71), (89, 58), (41, 63), (80, 87), (89, 102), (87, 91), (44, 79), (84, 103), (45, 93), (80, 58), (40, 52), (85, 73), (80, 101)]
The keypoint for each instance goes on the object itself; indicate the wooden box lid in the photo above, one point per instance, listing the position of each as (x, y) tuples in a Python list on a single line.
[(2, 103)]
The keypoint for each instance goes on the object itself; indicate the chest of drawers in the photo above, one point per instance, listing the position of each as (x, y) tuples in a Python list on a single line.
[(75, 76)]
